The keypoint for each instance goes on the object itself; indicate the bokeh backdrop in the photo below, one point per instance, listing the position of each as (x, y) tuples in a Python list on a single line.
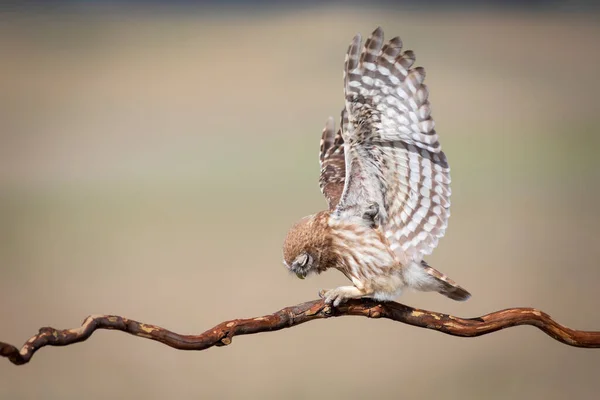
[(152, 158)]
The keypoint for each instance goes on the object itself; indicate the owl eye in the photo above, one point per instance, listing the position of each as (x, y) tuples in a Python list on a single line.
[(302, 259)]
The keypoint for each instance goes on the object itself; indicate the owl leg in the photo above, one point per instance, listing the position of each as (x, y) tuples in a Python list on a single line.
[(370, 214), (341, 294)]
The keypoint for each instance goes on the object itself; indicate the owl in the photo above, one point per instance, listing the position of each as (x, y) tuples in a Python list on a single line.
[(386, 181)]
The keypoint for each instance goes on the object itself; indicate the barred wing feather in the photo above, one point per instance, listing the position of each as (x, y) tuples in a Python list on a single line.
[(332, 161), (391, 149)]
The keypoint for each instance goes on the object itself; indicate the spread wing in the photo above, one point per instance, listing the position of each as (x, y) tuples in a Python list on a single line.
[(332, 160), (392, 152)]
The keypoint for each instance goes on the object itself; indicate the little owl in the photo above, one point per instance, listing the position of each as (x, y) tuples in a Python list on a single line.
[(386, 180)]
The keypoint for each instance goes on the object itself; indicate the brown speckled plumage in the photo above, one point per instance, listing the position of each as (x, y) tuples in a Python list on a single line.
[(386, 181)]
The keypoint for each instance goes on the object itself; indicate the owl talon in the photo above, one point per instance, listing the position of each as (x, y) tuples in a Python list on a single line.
[(335, 297)]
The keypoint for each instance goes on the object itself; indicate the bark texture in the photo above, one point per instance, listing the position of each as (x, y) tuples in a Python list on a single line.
[(223, 333)]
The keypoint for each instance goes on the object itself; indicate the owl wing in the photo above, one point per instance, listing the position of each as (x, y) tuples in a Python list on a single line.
[(332, 161), (392, 152)]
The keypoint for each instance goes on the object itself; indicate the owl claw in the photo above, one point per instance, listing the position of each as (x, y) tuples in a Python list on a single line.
[(335, 297)]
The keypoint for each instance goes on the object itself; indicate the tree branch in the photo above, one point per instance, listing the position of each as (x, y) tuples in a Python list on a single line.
[(223, 333)]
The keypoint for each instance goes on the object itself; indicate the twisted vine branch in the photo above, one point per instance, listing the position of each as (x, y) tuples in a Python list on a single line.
[(223, 333)]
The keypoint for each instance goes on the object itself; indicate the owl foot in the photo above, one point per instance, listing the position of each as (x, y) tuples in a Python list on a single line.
[(371, 213), (340, 295)]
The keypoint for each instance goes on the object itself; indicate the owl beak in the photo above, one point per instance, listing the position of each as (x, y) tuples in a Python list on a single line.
[(299, 275)]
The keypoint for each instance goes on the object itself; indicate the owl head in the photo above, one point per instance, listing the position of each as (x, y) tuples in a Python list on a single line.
[(305, 246)]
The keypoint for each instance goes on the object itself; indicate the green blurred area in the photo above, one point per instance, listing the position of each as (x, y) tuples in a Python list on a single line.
[(151, 164)]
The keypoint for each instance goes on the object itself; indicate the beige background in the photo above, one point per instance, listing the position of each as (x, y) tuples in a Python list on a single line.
[(152, 162)]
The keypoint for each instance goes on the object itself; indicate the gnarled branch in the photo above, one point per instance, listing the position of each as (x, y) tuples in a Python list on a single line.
[(223, 333)]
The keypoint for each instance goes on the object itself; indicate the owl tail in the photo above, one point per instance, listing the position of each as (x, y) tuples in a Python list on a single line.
[(426, 278), (446, 286)]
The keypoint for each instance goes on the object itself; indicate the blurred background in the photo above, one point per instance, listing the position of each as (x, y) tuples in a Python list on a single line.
[(153, 156)]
